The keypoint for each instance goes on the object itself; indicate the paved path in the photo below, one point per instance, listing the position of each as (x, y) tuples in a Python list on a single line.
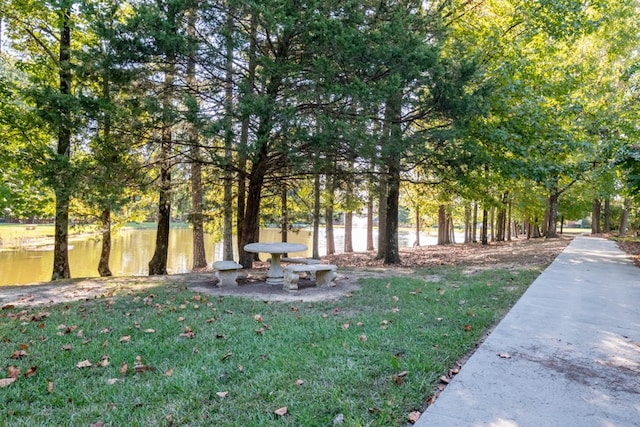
[(574, 346)]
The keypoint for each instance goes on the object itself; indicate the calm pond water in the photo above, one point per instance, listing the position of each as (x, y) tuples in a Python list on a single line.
[(133, 248)]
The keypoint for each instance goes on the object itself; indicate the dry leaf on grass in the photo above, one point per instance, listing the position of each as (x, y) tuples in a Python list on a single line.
[(413, 417), (4, 382), (222, 394), (84, 364), (281, 412), (188, 333), (19, 354), (31, 372), (13, 371)]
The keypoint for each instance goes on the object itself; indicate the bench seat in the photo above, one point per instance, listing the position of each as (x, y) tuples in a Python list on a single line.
[(227, 272), (325, 274), (306, 261)]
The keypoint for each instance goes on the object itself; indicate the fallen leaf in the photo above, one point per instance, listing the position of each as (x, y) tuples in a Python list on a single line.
[(112, 381), (67, 347), (395, 310), (50, 387), (338, 420), (123, 369), (395, 298), (468, 327), (222, 394), (97, 424), (104, 361), (299, 382), (84, 364), (150, 331), (345, 326), (19, 354), (226, 356), (4, 382), (31, 372), (168, 372), (125, 338), (24, 346), (260, 331), (444, 379), (188, 332), (504, 355), (413, 417), (257, 318), (281, 412), (13, 371), (362, 338)]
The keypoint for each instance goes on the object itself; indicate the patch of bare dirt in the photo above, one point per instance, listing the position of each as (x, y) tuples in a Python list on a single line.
[(352, 266)]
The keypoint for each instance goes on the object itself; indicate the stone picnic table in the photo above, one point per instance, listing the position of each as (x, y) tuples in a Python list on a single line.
[(275, 275)]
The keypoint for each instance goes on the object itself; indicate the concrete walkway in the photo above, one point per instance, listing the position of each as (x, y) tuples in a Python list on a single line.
[(570, 351)]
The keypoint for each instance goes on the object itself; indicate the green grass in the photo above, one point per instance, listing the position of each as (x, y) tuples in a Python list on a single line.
[(348, 354)]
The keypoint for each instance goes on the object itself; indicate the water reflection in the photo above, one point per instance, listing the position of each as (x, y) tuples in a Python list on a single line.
[(133, 248)]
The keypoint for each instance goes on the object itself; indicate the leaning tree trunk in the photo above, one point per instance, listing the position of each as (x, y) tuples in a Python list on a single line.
[(61, 268), (105, 251)]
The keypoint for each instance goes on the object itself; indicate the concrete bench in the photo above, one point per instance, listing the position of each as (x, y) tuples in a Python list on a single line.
[(227, 272), (306, 261), (325, 274)]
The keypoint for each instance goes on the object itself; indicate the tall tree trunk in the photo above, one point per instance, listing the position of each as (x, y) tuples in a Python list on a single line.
[(382, 213), (552, 231), (62, 192), (485, 224), (197, 219), (392, 157), (417, 241), (467, 224), (624, 220), (316, 216), (509, 220), (252, 211), (442, 225), (105, 250), (284, 226), (474, 231), (227, 228), (259, 168), (596, 211), (244, 138), (370, 246), (328, 217), (607, 215), (348, 232), (158, 263)]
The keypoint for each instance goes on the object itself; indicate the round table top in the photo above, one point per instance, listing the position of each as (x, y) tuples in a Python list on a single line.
[(275, 247)]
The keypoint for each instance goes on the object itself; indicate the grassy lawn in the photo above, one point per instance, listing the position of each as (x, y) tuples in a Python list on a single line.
[(172, 357)]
